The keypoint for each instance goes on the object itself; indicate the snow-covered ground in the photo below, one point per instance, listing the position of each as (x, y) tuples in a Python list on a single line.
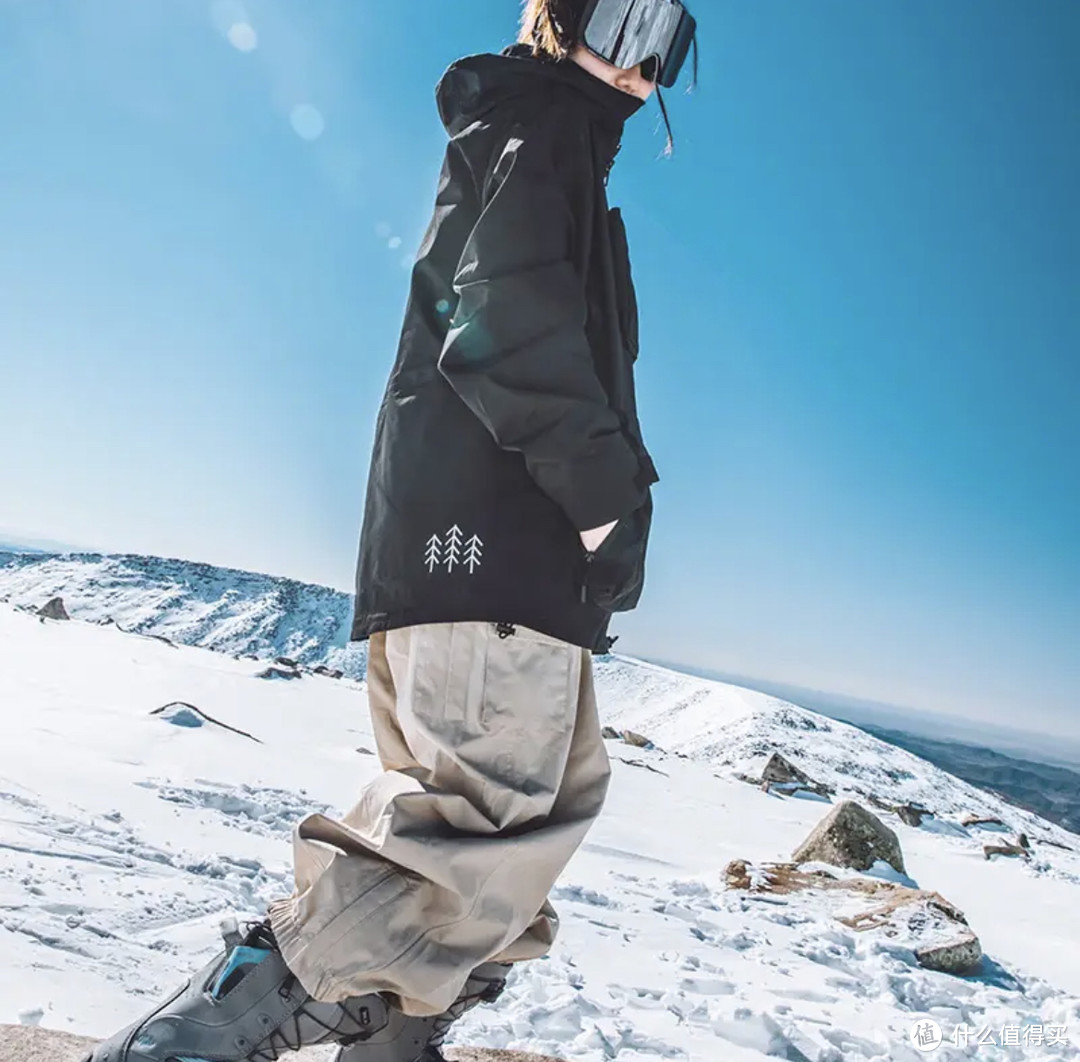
[(125, 836)]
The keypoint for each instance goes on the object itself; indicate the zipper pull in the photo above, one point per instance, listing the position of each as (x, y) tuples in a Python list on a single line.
[(585, 582)]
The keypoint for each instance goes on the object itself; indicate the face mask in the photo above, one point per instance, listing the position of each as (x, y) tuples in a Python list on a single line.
[(628, 32)]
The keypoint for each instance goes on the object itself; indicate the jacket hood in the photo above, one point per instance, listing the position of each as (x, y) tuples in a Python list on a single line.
[(475, 85)]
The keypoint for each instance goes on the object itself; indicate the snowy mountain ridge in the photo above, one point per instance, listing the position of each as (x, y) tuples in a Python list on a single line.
[(734, 729), (223, 609)]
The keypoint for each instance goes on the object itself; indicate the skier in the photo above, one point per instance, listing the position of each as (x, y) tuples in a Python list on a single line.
[(507, 515)]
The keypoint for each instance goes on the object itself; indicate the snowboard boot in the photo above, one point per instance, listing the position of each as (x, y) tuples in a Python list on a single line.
[(407, 1039), (245, 1006)]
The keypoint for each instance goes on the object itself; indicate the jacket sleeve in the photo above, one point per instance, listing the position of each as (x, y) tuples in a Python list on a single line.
[(517, 353)]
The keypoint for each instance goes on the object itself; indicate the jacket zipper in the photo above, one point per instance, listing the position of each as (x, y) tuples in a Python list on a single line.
[(589, 555)]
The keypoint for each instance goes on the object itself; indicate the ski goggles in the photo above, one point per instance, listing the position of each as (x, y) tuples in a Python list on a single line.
[(656, 33)]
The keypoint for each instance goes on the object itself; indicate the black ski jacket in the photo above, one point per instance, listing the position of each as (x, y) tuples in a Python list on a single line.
[(509, 422)]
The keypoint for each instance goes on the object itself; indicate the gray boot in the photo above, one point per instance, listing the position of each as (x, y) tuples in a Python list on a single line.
[(245, 1006), (406, 1039)]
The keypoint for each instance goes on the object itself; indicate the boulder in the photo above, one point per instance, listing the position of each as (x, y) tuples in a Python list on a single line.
[(913, 814), (782, 775), (639, 741), (609, 733), (850, 836), (329, 672), (286, 661), (779, 769), (960, 956), (54, 609)]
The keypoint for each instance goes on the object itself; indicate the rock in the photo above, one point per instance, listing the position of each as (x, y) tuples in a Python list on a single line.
[(30, 1044), (737, 874), (781, 775), (286, 661), (275, 672), (329, 672), (779, 769), (972, 819), (639, 741), (365, 752), (609, 733), (960, 956), (884, 805), (913, 814), (925, 921), (1022, 840), (54, 609), (850, 836), (1005, 850)]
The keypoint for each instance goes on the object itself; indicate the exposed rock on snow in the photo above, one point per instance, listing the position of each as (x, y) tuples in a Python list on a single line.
[(639, 741), (990, 850), (609, 733), (960, 956), (274, 671), (972, 819), (54, 609), (913, 814), (850, 836), (934, 928), (781, 775)]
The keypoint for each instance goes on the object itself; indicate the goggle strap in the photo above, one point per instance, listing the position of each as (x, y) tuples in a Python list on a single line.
[(669, 147)]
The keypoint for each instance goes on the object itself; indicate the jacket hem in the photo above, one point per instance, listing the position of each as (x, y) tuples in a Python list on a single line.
[(585, 634)]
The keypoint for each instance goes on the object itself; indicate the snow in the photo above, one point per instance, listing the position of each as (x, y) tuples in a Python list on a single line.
[(125, 838)]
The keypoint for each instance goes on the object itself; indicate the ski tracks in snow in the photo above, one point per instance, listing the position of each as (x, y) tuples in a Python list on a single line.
[(92, 893)]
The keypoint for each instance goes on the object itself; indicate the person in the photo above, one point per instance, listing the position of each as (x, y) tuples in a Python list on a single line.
[(507, 516)]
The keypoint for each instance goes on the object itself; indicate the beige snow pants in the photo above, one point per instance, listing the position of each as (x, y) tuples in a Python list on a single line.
[(494, 771)]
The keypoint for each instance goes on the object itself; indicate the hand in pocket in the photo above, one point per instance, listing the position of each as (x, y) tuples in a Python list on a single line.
[(615, 569), (593, 538)]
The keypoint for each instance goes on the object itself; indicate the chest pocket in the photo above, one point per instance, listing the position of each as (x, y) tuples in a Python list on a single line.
[(624, 282)]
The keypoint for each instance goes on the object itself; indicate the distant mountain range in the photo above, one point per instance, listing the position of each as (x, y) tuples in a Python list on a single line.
[(1050, 791)]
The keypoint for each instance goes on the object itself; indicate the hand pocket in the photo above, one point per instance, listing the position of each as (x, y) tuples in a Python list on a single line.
[(614, 574)]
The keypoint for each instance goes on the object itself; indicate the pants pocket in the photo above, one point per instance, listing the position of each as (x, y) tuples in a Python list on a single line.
[(530, 682)]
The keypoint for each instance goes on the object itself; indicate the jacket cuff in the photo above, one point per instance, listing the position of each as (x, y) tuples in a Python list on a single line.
[(604, 486)]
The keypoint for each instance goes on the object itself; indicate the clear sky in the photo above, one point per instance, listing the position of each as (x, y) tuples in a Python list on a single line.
[(860, 291)]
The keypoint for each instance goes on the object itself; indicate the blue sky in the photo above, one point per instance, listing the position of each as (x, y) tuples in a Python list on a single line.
[(859, 279)]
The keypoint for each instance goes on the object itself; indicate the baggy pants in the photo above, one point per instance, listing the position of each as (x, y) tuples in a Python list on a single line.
[(494, 770)]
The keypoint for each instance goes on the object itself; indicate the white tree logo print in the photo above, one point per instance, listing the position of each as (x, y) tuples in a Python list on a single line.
[(452, 554), (433, 556), (474, 553), (446, 552)]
